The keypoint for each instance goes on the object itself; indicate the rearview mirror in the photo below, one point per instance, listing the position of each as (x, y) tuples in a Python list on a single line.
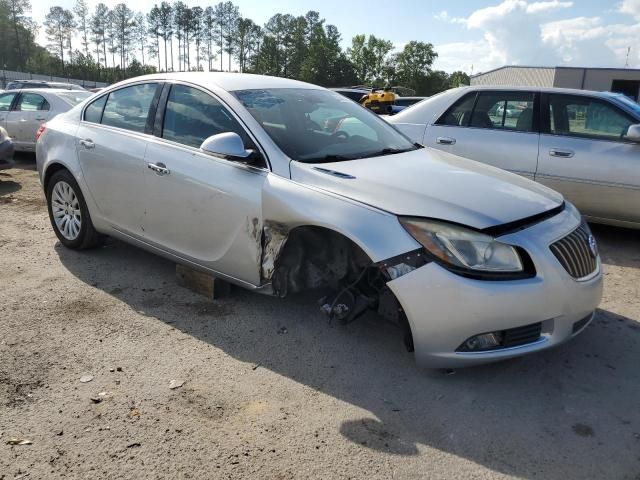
[(633, 133), (226, 145)]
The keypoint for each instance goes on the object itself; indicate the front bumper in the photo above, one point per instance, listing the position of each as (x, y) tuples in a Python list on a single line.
[(445, 309), (6, 154)]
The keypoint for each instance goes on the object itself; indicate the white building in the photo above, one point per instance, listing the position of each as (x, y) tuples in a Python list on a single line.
[(623, 80)]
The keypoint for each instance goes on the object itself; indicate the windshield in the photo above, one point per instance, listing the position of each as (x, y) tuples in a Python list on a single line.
[(73, 98), (317, 126)]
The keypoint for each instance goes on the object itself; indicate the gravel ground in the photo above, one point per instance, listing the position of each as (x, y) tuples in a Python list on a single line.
[(270, 389)]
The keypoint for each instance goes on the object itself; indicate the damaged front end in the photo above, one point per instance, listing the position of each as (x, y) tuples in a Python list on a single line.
[(314, 258)]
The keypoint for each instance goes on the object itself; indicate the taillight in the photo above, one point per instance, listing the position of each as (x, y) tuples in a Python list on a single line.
[(40, 131)]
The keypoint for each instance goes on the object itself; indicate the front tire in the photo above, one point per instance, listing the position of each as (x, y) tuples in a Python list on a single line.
[(68, 213)]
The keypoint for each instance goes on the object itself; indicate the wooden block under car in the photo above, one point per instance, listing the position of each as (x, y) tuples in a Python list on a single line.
[(201, 283)]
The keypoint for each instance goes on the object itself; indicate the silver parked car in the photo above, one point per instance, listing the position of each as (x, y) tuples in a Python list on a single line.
[(246, 177), (23, 111), (584, 144)]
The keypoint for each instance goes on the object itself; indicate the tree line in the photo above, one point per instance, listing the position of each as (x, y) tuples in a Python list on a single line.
[(113, 44)]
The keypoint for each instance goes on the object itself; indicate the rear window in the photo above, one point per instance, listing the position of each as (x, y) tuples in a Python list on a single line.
[(128, 107)]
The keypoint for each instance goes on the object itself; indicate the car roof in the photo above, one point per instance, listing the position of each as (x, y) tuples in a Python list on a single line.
[(354, 90), (572, 91), (226, 81), (44, 91)]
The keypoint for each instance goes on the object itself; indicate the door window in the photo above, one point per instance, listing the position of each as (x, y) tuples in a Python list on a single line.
[(459, 113), (93, 112), (504, 111), (128, 107), (586, 117), (192, 116), (32, 102), (5, 101)]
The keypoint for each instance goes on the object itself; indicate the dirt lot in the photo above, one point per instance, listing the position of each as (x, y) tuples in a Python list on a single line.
[(271, 389)]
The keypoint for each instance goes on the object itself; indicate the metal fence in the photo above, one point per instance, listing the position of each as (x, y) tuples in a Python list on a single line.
[(7, 76)]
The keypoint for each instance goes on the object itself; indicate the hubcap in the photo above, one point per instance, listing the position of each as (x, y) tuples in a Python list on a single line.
[(66, 210)]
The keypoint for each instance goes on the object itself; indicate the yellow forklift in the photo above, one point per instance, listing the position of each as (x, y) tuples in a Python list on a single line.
[(382, 101)]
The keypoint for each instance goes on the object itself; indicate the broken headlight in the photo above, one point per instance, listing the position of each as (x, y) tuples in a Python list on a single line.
[(464, 250)]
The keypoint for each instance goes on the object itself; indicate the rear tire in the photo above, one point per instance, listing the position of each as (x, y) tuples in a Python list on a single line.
[(68, 213)]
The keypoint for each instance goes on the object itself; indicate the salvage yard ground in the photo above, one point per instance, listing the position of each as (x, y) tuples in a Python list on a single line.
[(175, 386)]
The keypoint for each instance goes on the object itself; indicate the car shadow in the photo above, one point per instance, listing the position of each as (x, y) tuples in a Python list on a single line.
[(618, 246), (25, 160), (570, 412), (8, 186)]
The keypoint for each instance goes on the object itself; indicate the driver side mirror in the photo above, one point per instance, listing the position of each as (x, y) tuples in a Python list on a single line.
[(633, 133), (227, 145)]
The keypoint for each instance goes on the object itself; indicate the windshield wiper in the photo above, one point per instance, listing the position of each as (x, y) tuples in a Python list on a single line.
[(387, 151), (328, 158)]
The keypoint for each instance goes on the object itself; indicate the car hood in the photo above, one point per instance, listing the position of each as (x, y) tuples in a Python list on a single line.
[(432, 184)]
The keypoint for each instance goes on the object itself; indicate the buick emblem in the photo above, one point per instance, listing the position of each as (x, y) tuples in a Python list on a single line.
[(593, 246)]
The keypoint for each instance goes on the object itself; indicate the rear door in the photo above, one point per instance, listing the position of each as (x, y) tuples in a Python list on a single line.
[(111, 143), (499, 128), (583, 155), (6, 100), (30, 111)]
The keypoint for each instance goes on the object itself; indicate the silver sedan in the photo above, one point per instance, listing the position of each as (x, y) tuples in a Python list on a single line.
[(584, 144), (23, 111), (280, 186)]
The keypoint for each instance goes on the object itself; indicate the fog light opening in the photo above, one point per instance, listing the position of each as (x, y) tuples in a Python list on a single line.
[(485, 341)]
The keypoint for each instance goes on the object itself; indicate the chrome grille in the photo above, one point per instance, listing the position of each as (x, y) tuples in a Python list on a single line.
[(577, 252)]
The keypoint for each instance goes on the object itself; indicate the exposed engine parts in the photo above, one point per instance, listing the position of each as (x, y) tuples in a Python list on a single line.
[(312, 258)]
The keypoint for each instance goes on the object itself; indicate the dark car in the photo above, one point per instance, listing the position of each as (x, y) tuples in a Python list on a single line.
[(354, 94), (20, 84), (6, 150)]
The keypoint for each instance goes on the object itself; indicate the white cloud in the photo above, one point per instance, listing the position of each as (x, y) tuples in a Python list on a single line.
[(444, 16), (529, 33), (538, 7), (631, 7)]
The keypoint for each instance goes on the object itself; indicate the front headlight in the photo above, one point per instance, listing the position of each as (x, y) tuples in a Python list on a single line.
[(462, 248)]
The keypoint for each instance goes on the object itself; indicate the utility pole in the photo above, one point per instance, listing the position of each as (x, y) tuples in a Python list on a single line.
[(626, 64)]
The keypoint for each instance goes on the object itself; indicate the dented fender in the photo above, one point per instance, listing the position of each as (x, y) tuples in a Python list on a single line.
[(287, 204)]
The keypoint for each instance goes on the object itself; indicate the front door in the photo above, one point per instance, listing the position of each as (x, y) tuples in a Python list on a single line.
[(111, 144), (205, 209), (584, 156), (498, 128)]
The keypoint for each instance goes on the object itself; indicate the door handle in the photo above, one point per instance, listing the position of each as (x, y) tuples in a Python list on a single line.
[(446, 140), (87, 143), (554, 152), (159, 168), (41, 118)]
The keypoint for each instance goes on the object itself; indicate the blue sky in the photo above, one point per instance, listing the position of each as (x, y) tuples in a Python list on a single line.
[(468, 34)]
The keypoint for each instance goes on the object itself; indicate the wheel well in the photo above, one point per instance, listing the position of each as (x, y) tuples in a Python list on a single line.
[(51, 169), (315, 257), (318, 258)]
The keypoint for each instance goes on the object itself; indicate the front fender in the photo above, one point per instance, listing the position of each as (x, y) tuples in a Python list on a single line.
[(290, 204)]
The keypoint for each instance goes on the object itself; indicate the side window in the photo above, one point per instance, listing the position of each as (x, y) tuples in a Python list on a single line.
[(192, 116), (128, 107), (5, 101), (32, 102), (504, 111), (586, 117), (459, 113), (93, 112)]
